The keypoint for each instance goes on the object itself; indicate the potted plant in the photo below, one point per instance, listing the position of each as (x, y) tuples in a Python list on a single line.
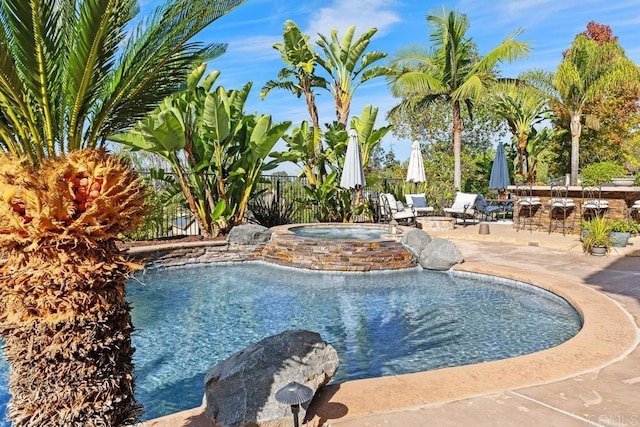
[(624, 181), (621, 232), (597, 237)]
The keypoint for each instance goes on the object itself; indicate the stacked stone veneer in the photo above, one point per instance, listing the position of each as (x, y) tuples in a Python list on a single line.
[(337, 255), (199, 253), (287, 250)]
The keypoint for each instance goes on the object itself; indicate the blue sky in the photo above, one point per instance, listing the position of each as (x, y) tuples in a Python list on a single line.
[(252, 28)]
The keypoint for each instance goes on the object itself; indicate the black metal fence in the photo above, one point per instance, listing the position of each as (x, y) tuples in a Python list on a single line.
[(174, 219)]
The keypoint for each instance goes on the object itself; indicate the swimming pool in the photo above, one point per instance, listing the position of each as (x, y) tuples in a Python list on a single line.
[(188, 320)]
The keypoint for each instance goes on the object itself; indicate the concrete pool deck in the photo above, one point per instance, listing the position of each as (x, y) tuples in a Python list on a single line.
[(592, 379)]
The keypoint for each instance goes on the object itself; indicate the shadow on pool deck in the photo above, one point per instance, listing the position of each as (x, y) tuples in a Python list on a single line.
[(543, 389)]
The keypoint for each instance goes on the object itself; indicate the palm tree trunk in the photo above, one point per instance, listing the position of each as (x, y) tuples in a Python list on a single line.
[(522, 146), (576, 130), (457, 146), (67, 332), (63, 314)]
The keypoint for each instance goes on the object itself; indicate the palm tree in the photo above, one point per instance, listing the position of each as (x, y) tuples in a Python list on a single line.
[(349, 66), (70, 76), (588, 71), (522, 107), (451, 72)]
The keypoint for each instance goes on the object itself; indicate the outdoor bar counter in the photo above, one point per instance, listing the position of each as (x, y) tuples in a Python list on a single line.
[(620, 200)]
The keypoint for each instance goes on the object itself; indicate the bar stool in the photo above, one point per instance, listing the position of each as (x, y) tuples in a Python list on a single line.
[(559, 209), (592, 203), (528, 207), (635, 208)]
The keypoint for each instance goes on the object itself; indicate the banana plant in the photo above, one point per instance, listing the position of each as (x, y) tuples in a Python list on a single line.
[(302, 149), (216, 151), (349, 65), (368, 137)]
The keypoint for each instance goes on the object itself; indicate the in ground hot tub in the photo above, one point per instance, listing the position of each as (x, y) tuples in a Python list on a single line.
[(336, 247), (350, 232)]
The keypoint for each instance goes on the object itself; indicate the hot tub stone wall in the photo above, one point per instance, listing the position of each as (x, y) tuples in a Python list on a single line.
[(202, 253), (314, 254), (337, 255)]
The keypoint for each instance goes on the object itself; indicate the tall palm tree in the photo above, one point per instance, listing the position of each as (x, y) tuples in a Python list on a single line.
[(451, 71), (522, 107), (349, 65), (70, 76), (588, 71)]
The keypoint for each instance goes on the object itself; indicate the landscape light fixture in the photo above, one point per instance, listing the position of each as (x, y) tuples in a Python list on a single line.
[(393, 227), (294, 394)]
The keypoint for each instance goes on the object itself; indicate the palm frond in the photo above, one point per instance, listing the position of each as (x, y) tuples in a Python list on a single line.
[(157, 57), (98, 32), (37, 44), (508, 51)]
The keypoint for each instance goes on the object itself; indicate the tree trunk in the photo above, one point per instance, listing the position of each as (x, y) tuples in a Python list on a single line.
[(63, 314), (316, 162), (522, 146), (67, 332), (205, 227), (576, 130), (342, 106), (457, 146), (312, 108)]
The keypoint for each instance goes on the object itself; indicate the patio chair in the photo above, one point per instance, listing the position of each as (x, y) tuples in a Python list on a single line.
[(634, 211), (527, 206), (463, 207), (390, 208), (592, 204), (486, 211), (560, 207), (419, 203)]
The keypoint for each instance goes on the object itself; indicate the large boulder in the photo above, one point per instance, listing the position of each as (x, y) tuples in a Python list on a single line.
[(440, 254), (249, 234), (241, 390), (415, 240)]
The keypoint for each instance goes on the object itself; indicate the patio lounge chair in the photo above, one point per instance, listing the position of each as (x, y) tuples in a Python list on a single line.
[(486, 211), (419, 203), (463, 207), (391, 208)]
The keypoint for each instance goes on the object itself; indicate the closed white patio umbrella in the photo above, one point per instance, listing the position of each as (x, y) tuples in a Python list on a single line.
[(352, 173), (415, 172)]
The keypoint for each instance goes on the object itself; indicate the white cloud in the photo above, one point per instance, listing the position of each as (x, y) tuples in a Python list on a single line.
[(260, 47), (364, 14)]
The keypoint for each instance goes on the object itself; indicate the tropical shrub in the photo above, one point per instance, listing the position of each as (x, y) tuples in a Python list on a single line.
[(270, 210), (624, 226), (599, 173), (216, 151), (597, 233)]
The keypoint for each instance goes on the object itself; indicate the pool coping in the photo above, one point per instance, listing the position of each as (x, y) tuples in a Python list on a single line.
[(609, 333)]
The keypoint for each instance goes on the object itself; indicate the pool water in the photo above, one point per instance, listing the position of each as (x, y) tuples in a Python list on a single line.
[(339, 232), (187, 320)]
